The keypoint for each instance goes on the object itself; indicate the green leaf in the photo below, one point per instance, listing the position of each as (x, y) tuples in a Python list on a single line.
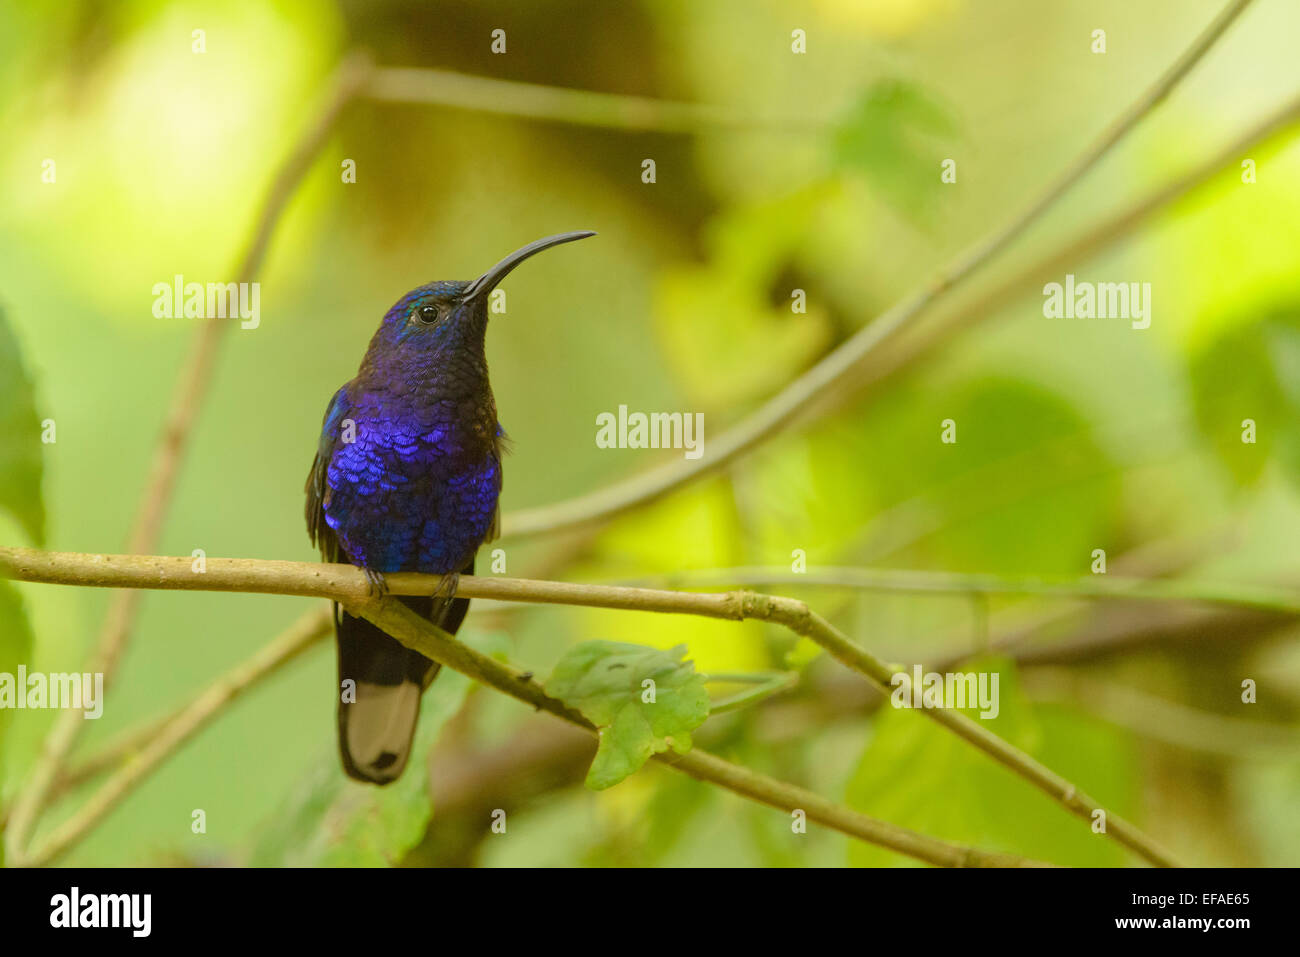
[(1252, 372), (892, 138), (20, 440), (606, 681)]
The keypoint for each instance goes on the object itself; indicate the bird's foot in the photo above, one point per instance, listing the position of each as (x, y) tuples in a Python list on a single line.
[(378, 584), (446, 589)]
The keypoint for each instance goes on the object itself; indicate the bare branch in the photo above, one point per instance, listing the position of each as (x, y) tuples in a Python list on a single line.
[(534, 101), (912, 581), (349, 585), (1169, 722)]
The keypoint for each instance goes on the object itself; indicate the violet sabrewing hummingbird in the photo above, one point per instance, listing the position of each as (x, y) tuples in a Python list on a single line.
[(406, 478)]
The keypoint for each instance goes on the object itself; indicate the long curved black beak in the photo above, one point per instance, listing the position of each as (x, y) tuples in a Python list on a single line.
[(488, 281)]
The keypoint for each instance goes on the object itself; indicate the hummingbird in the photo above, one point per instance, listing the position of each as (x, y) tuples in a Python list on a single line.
[(407, 477)]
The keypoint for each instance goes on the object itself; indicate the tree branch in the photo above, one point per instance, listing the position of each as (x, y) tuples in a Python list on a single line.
[(348, 585), (1191, 729), (959, 583), (534, 101), (835, 369)]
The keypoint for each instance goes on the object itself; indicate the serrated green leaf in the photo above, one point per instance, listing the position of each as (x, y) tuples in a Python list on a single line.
[(605, 680), (20, 440)]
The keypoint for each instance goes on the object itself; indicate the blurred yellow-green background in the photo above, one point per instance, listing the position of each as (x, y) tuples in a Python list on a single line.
[(1073, 435)]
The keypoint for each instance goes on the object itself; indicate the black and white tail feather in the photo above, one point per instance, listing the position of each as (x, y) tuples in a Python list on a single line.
[(381, 682)]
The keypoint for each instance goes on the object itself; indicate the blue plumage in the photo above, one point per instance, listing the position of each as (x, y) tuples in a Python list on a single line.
[(407, 477)]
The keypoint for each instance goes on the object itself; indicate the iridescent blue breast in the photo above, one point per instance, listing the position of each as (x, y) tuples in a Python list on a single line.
[(412, 492)]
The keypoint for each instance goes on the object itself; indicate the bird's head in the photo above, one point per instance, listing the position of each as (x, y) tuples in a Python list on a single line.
[(452, 314)]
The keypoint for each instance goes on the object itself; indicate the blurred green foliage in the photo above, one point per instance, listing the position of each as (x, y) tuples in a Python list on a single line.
[(918, 774), (1252, 372), (20, 496), (897, 136), (20, 456)]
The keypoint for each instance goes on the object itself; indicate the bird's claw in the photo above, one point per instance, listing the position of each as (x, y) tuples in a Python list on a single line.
[(447, 586), (446, 591), (378, 584)]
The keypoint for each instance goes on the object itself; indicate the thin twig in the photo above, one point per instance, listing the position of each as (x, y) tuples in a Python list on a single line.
[(128, 745), (305, 579), (190, 390), (833, 370), (121, 748), (534, 101), (960, 583), (763, 687), (1192, 729), (349, 585), (1138, 627), (177, 730)]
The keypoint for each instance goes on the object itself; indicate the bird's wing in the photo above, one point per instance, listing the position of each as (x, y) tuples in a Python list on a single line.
[(317, 487), (499, 448)]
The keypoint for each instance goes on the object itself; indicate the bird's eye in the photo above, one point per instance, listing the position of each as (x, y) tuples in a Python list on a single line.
[(428, 315)]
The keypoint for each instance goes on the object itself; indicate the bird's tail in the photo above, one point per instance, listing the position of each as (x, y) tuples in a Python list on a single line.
[(380, 682)]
